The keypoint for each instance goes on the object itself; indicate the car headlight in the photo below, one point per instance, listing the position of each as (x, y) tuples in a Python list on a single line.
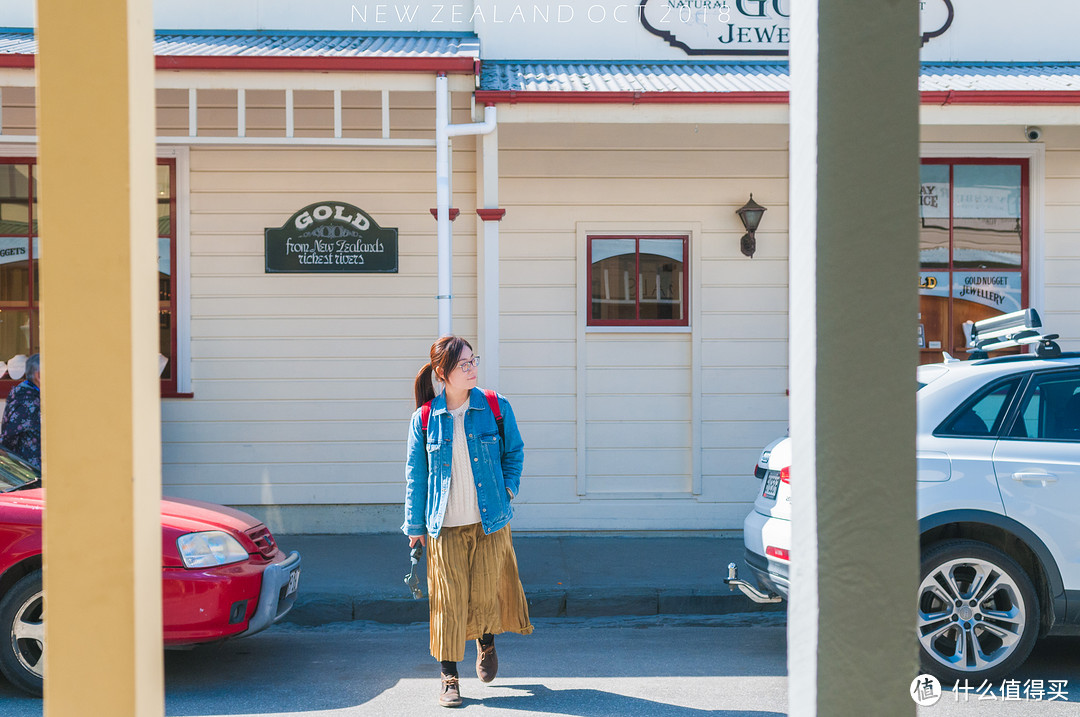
[(214, 547)]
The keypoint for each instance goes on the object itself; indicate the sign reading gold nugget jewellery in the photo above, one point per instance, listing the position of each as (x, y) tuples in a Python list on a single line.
[(331, 237)]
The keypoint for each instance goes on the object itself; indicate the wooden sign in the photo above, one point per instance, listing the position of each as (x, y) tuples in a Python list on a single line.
[(331, 237)]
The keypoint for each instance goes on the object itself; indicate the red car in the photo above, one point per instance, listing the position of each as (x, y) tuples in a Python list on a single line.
[(223, 575)]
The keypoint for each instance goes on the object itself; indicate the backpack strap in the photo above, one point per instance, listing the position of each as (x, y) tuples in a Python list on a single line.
[(493, 403), (425, 416)]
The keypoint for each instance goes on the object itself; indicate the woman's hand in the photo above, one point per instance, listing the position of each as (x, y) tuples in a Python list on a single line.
[(414, 539)]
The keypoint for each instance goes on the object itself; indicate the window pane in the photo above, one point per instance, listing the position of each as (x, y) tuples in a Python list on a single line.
[(164, 195), (662, 279), (1052, 411), (14, 269), (165, 302), (35, 175), (165, 338), (983, 416), (979, 295), (933, 312), (14, 333), (613, 279), (36, 244), (14, 199), (934, 216), (165, 267), (986, 216)]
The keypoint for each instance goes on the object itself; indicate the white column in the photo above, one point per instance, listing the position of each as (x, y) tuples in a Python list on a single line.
[(443, 298), (487, 256), (854, 271)]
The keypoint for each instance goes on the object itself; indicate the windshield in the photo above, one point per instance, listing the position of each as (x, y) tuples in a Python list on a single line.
[(14, 473)]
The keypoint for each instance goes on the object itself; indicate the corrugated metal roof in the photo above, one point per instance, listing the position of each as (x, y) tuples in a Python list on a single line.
[(997, 77), (633, 77), (17, 43), (266, 44), (502, 76)]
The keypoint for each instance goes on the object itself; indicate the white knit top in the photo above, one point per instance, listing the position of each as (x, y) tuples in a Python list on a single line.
[(461, 505)]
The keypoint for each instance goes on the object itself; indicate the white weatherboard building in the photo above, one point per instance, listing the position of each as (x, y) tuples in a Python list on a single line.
[(596, 261)]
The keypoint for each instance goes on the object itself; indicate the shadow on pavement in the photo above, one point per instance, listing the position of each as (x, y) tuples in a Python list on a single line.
[(589, 703)]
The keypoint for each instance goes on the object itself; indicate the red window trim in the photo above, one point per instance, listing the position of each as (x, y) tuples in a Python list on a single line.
[(1025, 218), (685, 321), (169, 387), (29, 305)]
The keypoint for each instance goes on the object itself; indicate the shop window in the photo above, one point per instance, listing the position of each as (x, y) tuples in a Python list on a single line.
[(973, 219), (638, 281), (20, 247)]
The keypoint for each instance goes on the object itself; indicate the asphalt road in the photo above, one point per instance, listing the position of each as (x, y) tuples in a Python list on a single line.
[(651, 666)]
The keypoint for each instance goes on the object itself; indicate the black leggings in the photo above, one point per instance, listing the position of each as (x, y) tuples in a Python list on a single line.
[(450, 668)]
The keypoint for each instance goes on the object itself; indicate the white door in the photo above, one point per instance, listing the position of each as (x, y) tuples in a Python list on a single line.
[(1038, 467)]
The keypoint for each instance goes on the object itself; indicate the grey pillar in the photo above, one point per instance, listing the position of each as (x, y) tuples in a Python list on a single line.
[(854, 271)]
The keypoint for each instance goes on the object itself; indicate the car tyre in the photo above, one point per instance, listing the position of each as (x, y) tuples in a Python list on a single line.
[(22, 654), (978, 614)]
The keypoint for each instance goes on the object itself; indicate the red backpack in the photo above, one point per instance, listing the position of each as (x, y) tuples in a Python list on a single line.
[(493, 402)]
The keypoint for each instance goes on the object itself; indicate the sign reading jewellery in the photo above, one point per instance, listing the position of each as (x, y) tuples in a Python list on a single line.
[(331, 237), (750, 27)]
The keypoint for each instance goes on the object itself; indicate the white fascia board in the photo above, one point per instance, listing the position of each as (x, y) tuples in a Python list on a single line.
[(256, 80), (17, 77), (999, 115), (721, 113)]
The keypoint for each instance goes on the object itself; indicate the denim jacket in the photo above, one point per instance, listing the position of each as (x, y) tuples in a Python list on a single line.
[(496, 468)]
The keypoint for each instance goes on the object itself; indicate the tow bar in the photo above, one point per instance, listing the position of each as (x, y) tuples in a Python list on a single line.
[(732, 581)]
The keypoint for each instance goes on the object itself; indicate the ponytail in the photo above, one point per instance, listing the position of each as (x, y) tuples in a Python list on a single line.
[(423, 389)]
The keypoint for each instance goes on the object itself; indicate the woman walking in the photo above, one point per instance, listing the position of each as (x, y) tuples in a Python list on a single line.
[(463, 469)]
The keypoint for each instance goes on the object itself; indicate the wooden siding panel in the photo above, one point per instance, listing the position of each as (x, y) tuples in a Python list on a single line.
[(517, 301), (547, 463), (183, 433), (539, 490), (639, 434), (741, 433), (555, 177), (607, 485), (348, 346), (742, 354), (744, 326), (305, 378), (1063, 244), (546, 435)]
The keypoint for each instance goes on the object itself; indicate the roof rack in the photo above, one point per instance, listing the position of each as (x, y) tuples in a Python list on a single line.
[(1019, 328), (1018, 358)]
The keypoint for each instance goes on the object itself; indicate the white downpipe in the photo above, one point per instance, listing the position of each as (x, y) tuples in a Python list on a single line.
[(443, 132)]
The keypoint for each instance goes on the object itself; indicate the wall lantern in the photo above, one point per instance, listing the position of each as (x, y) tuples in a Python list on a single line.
[(750, 214)]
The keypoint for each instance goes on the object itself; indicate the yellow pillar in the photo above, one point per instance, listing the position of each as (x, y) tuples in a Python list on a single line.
[(101, 404)]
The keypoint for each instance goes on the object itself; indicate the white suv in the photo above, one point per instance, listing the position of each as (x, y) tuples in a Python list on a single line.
[(998, 502)]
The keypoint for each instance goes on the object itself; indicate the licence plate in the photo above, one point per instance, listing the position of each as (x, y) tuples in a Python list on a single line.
[(294, 582), (772, 483)]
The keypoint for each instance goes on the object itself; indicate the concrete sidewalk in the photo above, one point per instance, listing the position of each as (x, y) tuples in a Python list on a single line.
[(361, 577)]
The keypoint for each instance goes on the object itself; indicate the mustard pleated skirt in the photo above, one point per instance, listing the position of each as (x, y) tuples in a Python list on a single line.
[(473, 588)]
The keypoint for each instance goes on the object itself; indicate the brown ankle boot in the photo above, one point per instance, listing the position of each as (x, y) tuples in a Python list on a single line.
[(451, 693), (487, 662)]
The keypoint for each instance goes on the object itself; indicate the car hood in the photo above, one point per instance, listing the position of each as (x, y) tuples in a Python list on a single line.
[(178, 513), (194, 515)]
